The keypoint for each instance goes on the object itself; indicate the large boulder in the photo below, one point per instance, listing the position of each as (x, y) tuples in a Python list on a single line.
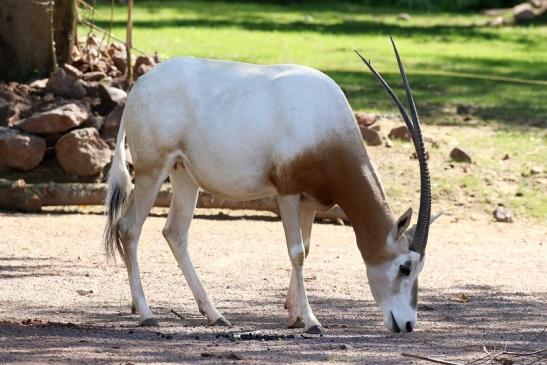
[(61, 83), (523, 13), (82, 152), (56, 120), (19, 150)]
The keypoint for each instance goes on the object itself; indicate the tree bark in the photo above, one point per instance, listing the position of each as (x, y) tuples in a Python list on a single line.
[(18, 196), (26, 38), (65, 17)]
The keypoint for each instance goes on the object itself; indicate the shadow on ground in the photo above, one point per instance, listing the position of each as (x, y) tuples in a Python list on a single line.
[(454, 329)]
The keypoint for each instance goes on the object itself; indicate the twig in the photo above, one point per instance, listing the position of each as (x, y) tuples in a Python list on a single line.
[(430, 359), (488, 354), (512, 353), (86, 5), (177, 314), (89, 24)]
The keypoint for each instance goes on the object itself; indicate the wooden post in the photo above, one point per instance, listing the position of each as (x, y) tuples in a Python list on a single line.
[(129, 44)]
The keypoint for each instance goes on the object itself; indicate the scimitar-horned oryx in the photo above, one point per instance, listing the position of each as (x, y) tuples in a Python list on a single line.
[(243, 131)]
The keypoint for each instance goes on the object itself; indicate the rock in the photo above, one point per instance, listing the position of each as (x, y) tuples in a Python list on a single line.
[(496, 22), (536, 170), (112, 123), (5, 112), (523, 13), (72, 71), (8, 94), (143, 64), (371, 137), (111, 97), (94, 76), (38, 84), (82, 152), (84, 292), (120, 60), (48, 98), (94, 121), (503, 214), (366, 119), (60, 83), (401, 133), (20, 151), (57, 120), (459, 155), (404, 16)]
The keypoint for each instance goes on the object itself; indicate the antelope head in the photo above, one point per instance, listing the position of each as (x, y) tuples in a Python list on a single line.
[(394, 283)]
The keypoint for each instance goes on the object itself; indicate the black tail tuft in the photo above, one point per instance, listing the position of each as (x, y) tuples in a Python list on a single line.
[(117, 196)]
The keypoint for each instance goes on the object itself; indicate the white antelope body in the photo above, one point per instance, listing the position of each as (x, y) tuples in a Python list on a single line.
[(245, 131)]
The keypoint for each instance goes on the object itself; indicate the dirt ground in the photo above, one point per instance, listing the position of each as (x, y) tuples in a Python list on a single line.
[(484, 284)]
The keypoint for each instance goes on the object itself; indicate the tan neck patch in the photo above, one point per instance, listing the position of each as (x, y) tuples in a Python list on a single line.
[(339, 173)]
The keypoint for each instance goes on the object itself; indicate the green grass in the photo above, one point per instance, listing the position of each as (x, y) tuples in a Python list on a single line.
[(443, 52), (450, 59)]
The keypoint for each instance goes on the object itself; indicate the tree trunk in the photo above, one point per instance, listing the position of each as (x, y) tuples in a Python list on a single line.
[(64, 26), (26, 36), (19, 196)]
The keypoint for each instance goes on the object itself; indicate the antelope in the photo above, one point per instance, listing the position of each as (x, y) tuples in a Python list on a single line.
[(242, 131)]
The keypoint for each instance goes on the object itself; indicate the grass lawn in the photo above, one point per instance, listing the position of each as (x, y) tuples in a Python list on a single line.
[(499, 74), (450, 61)]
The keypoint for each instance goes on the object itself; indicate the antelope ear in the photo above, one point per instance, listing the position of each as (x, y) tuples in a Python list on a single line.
[(401, 225), (435, 216)]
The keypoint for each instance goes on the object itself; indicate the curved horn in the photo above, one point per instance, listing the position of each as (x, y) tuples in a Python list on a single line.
[(419, 241)]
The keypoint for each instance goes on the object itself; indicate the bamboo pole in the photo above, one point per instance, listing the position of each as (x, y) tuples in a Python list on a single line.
[(129, 44)]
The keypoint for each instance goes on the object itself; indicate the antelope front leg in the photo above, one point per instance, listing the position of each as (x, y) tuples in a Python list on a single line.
[(289, 207)]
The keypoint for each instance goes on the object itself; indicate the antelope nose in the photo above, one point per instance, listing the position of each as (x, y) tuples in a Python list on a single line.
[(409, 326)]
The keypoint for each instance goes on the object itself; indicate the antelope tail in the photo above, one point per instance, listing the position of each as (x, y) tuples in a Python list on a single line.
[(119, 187)]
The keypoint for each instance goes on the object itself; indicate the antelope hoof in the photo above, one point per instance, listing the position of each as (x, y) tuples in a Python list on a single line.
[(149, 322), (315, 330), (221, 322), (297, 324), (133, 309)]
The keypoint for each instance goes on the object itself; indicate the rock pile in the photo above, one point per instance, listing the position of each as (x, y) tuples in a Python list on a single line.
[(524, 13), (72, 117)]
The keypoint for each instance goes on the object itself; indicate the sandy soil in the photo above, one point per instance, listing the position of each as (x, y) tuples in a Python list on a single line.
[(484, 283)]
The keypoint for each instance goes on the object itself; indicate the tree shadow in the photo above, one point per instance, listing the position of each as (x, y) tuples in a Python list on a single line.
[(490, 317), (508, 103)]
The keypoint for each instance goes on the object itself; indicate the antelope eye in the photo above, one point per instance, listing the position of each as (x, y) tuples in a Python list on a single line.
[(405, 268)]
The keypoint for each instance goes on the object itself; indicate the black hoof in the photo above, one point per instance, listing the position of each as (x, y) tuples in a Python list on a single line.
[(149, 322), (315, 330), (221, 322), (133, 309), (297, 324)]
